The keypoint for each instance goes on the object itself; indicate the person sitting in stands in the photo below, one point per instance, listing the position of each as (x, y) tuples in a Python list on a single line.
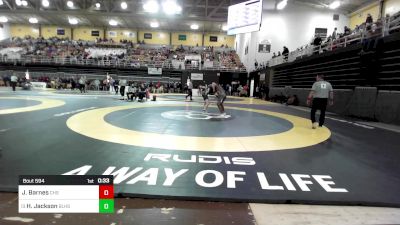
[(377, 27), (347, 31), (317, 42), (368, 22)]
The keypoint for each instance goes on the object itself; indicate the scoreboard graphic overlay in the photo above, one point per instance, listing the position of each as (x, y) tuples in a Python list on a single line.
[(66, 194)]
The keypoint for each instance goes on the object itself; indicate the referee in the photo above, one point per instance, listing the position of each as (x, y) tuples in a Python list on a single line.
[(319, 94)]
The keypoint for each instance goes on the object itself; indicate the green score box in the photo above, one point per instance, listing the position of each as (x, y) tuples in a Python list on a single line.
[(106, 205)]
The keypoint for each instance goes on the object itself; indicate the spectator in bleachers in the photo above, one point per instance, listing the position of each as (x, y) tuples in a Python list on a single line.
[(387, 24), (317, 43), (285, 53), (318, 40), (377, 27), (356, 30), (347, 31), (64, 51), (369, 21), (334, 33)]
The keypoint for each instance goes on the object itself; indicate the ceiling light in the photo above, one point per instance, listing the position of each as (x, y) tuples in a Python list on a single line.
[(113, 22), (151, 6), (281, 5), (70, 4), (73, 21), (170, 7), (334, 5), (124, 5), (1, 2), (224, 27), (33, 20), (18, 2), (194, 26), (3, 19), (98, 5), (154, 24), (24, 3), (45, 3)]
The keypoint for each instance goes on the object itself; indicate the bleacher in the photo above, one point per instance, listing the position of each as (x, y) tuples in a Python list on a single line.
[(341, 68), (364, 75), (389, 64), (126, 55), (366, 84), (370, 60)]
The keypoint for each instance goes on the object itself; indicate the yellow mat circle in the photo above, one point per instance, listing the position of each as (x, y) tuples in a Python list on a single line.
[(92, 124)]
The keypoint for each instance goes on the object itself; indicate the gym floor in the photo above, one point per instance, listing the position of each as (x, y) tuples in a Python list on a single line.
[(261, 152)]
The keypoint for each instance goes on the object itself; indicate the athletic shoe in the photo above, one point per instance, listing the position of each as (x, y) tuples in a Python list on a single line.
[(314, 125)]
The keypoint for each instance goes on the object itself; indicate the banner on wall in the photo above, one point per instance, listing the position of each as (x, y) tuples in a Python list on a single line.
[(60, 31), (262, 77), (129, 34), (95, 33), (148, 36), (112, 33), (154, 71), (321, 32), (196, 76), (264, 48), (213, 38), (182, 37)]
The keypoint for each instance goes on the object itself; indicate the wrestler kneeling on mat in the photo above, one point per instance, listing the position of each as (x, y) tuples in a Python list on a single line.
[(221, 96)]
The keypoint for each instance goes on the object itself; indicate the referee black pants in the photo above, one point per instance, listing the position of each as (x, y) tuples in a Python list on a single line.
[(319, 104), (13, 85), (190, 94)]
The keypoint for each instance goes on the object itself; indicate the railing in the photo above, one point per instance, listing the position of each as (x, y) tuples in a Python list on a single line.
[(308, 50), (391, 24), (115, 63)]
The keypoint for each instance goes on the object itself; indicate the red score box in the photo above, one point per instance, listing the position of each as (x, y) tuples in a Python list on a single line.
[(106, 191)]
